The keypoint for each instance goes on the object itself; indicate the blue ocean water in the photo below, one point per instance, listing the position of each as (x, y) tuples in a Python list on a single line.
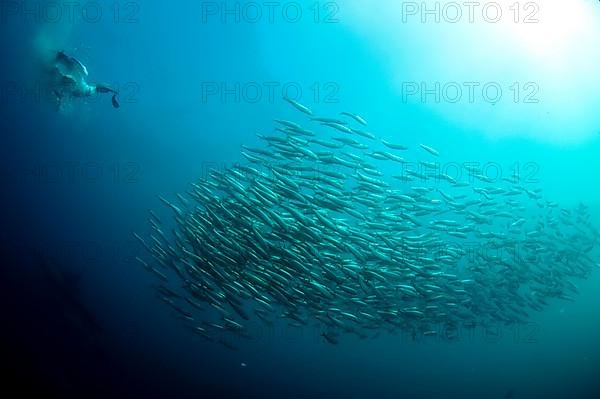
[(199, 79)]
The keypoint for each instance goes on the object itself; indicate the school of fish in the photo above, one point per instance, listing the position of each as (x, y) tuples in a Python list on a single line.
[(312, 228)]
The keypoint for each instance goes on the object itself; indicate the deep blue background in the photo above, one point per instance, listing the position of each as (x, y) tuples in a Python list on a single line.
[(80, 316)]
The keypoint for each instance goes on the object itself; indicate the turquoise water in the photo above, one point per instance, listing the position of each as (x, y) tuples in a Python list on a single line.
[(77, 182)]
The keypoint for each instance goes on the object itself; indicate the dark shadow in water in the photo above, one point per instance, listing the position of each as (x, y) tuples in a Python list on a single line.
[(53, 345), (51, 341)]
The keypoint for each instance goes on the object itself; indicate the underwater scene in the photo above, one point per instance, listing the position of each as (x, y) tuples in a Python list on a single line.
[(304, 199)]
